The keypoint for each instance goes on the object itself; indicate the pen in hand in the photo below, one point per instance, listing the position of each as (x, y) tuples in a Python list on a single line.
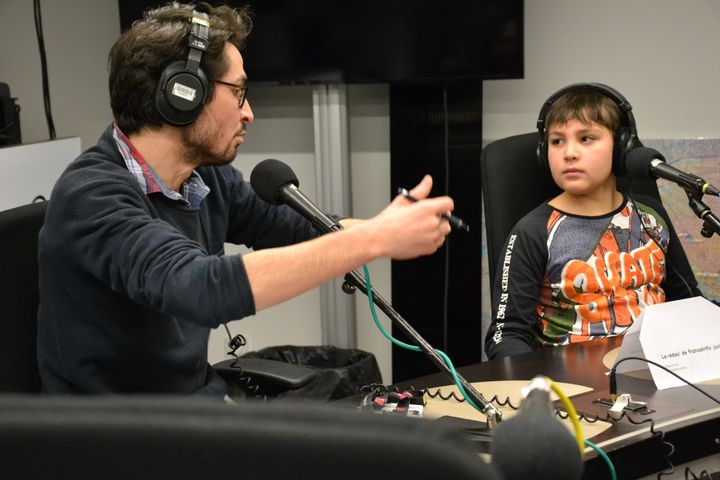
[(455, 222)]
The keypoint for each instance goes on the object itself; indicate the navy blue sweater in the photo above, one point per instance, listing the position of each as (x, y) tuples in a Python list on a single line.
[(131, 284)]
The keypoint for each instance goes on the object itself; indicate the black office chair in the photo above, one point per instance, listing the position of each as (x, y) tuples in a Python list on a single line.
[(148, 438), (19, 298), (514, 183), (19, 229)]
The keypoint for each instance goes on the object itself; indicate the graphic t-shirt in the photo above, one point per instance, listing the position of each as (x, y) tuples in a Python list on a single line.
[(566, 278)]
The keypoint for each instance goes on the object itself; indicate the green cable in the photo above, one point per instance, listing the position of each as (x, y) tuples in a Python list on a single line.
[(368, 284), (414, 348), (603, 455)]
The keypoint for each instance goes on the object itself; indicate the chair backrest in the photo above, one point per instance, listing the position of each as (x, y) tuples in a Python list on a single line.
[(19, 229), (514, 182), (150, 438)]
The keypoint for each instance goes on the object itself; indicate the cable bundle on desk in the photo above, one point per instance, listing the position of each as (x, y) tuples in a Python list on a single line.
[(570, 414), (414, 348)]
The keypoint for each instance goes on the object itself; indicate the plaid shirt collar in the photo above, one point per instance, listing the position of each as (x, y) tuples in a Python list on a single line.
[(194, 189)]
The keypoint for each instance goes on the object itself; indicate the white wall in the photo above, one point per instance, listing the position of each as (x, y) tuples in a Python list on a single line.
[(283, 129), (661, 54), (78, 35)]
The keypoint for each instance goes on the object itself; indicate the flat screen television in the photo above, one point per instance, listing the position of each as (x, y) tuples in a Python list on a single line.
[(351, 41)]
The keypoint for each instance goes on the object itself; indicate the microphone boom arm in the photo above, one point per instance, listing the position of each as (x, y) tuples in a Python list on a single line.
[(276, 183), (492, 414)]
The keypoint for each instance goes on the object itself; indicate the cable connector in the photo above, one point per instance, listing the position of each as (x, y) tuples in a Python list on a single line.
[(236, 342), (623, 402), (613, 386), (540, 382)]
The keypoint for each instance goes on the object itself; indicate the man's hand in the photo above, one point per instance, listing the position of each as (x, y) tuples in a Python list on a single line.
[(407, 229), (403, 230)]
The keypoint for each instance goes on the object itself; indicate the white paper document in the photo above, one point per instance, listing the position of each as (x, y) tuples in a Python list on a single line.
[(683, 336)]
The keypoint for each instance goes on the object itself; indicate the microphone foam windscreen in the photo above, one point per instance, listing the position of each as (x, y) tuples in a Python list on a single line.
[(638, 161), (269, 176), (533, 444)]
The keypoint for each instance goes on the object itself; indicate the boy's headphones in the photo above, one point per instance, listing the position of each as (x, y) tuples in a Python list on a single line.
[(625, 138), (183, 87)]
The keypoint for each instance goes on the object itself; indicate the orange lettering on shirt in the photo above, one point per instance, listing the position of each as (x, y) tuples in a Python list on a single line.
[(597, 310), (630, 272), (607, 271), (578, 278), (651, 259)]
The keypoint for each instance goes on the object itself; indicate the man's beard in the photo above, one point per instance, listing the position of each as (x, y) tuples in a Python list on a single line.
[(198, 141)]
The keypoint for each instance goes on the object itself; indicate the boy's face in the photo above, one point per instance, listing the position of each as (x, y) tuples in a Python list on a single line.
[(580, 157)]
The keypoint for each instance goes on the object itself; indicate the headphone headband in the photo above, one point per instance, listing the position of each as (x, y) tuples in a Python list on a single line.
[(625, 138), (606, 90), (198, 39)]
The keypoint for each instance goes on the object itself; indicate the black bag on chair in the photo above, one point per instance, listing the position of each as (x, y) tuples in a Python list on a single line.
[(316, 372)]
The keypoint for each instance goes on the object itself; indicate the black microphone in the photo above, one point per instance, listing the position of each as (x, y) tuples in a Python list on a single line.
[(533, 444), (276, 183), (646, 163)]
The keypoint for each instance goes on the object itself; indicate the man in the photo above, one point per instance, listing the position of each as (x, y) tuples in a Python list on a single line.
[(132, 271)]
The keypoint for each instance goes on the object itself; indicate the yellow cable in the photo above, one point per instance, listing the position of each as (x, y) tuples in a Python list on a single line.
[(572, 414)]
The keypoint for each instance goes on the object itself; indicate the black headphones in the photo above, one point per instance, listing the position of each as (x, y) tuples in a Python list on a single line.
[(625, 138), (183, 86)]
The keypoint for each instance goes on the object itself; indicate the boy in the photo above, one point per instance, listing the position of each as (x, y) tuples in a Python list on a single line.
[(584, 264)]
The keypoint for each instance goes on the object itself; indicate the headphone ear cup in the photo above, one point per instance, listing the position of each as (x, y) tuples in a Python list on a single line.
[(542, 152), (625, 141), (181, 94)]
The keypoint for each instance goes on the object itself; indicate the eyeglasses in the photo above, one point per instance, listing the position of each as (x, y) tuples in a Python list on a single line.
[(240, 91)]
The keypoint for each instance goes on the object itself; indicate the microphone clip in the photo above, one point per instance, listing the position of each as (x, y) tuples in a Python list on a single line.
[(711, 223)]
